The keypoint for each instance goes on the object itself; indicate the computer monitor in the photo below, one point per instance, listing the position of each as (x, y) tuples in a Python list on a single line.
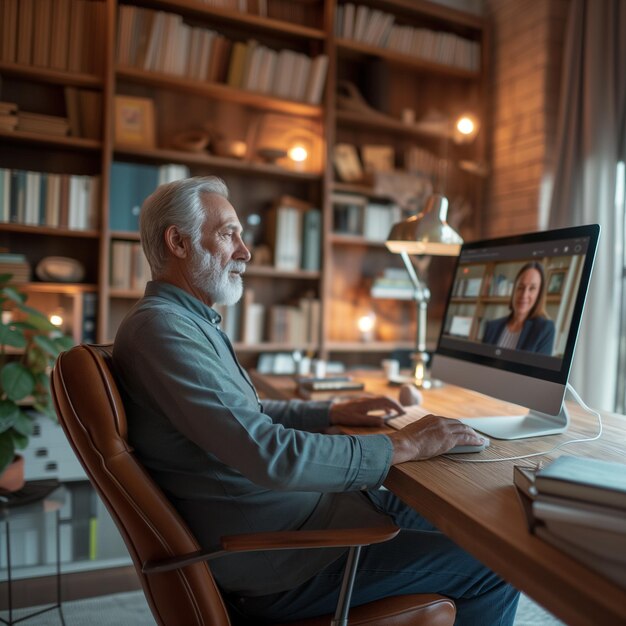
[(498, 340)]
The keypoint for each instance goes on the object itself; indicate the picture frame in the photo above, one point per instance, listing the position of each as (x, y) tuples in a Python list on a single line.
[(556, 280), (134, 121)]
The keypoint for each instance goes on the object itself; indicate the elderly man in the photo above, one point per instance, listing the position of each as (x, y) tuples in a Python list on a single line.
[(233, 464)]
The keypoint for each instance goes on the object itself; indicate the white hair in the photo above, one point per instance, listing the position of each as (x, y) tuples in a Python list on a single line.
[(177, 203)]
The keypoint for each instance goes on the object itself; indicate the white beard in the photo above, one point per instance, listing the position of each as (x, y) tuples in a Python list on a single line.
[(217, 283)]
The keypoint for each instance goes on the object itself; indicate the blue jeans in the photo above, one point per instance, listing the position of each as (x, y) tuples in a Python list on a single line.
[(419, 560)]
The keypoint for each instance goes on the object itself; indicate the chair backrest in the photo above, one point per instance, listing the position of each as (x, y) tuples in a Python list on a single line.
[(91, 412)]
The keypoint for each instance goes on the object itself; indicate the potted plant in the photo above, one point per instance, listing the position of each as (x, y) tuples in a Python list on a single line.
[(29, 344)]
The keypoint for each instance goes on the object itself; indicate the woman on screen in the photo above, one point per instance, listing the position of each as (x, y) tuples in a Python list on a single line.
[(527, 327)]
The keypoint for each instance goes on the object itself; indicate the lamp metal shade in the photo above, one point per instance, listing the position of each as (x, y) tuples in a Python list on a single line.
[(427, 232)]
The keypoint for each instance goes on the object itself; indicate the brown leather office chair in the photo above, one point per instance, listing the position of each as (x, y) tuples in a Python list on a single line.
[(173, 570)]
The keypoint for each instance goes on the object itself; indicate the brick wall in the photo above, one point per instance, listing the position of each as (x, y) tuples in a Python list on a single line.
[(527, 44)]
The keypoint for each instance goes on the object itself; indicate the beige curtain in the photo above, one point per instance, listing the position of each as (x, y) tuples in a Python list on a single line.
[(590, 142)]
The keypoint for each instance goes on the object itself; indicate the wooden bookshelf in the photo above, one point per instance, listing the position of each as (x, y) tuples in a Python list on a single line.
[(349, 262)]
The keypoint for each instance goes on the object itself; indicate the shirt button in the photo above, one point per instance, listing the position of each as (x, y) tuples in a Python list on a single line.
[(363, 487)]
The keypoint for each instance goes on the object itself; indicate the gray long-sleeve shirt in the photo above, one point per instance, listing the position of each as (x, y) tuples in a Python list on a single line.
[(229, 463)]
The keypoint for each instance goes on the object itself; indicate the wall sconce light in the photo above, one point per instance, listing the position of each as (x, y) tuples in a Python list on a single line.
[(299, 152), (466, 127), (366, 324)]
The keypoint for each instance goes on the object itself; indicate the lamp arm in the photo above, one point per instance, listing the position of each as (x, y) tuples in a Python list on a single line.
[(422, 293), (421, 296)]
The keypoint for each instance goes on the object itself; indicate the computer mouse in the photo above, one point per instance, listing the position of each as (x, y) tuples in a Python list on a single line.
[(468, 449), (410, 395)]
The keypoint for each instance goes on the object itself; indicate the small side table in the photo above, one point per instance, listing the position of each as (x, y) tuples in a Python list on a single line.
[(37, 496)]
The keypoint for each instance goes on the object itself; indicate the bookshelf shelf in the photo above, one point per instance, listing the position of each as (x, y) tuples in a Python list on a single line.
[(59, 288), (73, 143), (354, 240), (125, 294), (389, 125), (272, 272), (218, 91), (350, 48), (362, 189), (125, 234), (433, 11), (166, 155), (55, 77), (271, 347), (372, 346), (47, 231), (239, 18)]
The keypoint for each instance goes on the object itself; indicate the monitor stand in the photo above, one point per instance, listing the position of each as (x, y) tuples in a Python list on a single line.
[(533, 424)]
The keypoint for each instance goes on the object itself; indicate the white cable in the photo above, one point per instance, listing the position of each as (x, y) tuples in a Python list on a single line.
[(565, 443)]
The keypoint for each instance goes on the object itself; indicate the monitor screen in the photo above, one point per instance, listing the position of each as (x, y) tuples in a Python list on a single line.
[(513, 314)]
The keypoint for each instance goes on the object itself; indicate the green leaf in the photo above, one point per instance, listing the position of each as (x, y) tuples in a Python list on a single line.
[(9, 412), (11, 337), (19, 441), (24, 424), (17, 381), (13, 294), (42, 380), (47, 410), (5, 278), (47, 345), (39, 321), (64, 342), (7, 450)]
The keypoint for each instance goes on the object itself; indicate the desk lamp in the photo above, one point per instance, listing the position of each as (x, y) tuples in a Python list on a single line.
[(424, 233)]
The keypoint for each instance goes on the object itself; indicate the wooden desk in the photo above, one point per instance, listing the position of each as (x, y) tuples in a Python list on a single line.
[(475, 504)]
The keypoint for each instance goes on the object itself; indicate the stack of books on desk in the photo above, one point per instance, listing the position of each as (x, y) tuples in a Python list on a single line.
[(579, 506)]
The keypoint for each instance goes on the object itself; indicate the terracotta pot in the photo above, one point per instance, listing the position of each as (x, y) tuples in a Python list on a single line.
[(12, 479)]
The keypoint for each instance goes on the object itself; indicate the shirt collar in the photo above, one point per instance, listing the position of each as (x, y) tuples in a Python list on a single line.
[(180, 296)]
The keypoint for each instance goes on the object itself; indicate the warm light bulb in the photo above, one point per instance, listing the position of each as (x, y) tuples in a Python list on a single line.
[(465, 125), (298, 153), (56, 319), (366, 325)]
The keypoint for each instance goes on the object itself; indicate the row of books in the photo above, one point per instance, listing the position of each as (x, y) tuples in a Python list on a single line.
[(131, 184), (17, 265), (378, 29), (11, 118), (357, 215), (294, 233), (44, 199), (129, 267), (394, 283), (578, 505), (296, 324), (162, 42), (56, 34)]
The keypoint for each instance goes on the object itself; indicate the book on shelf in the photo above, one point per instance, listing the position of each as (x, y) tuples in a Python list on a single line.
[(44, 124), (84, 315), (591, 480), (347, 163), (45, 199), (348, 213), (17, 265), (284, 231), (252, 319), (131, 184), (378, 220), (129, 267), (311, 240)]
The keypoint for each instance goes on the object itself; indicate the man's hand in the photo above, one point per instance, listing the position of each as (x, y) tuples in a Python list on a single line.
[(364, 411), (430, 436)]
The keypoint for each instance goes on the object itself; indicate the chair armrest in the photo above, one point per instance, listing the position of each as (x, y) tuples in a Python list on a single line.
[(290, 539), (285, 540)]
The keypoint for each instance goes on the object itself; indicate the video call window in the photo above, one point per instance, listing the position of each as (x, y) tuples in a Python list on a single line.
[(507, 307)]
